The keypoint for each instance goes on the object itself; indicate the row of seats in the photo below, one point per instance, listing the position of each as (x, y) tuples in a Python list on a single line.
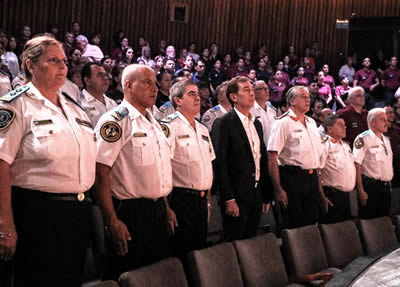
[(311, 253)]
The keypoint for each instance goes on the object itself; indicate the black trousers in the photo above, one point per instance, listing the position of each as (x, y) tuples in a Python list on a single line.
[(340, 211), (246, 224), (379, 198), (53, 236), (190, 207), (147, 224), (301, 188)]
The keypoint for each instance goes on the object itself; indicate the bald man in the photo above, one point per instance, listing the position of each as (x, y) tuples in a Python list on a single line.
[(134, 175)]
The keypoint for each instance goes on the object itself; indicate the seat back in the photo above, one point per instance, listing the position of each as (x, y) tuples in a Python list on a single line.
[(108, 283), (342, 243), (215, 266), (166, 273), (303, 251), (396, 220), (377, 235), (261, 261)]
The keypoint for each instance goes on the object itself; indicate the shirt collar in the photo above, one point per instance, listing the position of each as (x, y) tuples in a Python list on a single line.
[(88, 97), (222, 109), (242, 117)]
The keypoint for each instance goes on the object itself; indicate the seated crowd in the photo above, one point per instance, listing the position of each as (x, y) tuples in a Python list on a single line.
[(170, 130)]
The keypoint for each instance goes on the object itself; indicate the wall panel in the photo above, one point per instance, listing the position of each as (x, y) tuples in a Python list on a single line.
[(275, 23)]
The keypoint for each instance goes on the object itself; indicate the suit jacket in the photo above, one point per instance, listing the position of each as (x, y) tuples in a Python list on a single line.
[(234, 164)]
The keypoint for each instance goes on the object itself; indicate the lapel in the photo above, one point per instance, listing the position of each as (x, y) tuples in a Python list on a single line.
[(242, 132)]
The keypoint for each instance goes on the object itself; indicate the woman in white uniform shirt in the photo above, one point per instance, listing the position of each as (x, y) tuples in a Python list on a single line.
[(47, 163)]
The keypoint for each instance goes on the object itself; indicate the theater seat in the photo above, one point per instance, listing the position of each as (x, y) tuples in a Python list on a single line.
[(342, 243), (304, 253), (377, 235), (261, 262), (396, 221), (166, 273), (215, 266)]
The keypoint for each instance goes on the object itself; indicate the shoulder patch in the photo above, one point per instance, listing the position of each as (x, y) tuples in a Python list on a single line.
[(6, 118), (324, 139), (166, 105), (9, 97), (111, 131), (165, 129), (359, 142), (215, 108), (169, 118), (206, 119), (120, 113), (283, 115)]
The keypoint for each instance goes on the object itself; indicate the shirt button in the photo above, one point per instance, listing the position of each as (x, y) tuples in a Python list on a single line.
[(51, 132), (144, 144)]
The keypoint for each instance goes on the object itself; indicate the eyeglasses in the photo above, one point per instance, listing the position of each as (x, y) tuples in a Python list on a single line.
[(258, 89)]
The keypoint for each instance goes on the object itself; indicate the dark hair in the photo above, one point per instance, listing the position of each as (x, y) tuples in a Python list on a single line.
[(233, 87), (318, 100), (106, 57), (178, 89), (87, 71), (161, 75), (116, 70), (330, 121)]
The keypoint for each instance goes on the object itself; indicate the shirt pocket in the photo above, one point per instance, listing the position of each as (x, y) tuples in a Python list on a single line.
[(187, 149), (142, 151), (44, 142), (295, 138)]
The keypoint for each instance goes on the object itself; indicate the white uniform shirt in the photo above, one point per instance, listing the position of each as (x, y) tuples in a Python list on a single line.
[(48, 150), (211, 115), (337, 163), (374, 155), (5, 85), (71, 90), (296, 144), (93, 107), (254, 140), (266, 117), (140, 159), (192, 152)]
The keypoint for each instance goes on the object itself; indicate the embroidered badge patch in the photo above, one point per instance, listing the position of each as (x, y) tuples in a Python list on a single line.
[(110, 131), (359, 143), (6, 118), (165, 129)]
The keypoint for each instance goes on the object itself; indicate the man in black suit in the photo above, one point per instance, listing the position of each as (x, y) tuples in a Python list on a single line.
[(242, 178)]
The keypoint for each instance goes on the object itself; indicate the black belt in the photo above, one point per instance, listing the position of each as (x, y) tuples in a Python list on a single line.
[(74, 197), (194, 192), (298, 169), (385, 183)]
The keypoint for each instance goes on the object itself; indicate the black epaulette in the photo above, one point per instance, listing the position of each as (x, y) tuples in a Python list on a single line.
[(283, 115), (324, 139), (200, 122), (68, 97)]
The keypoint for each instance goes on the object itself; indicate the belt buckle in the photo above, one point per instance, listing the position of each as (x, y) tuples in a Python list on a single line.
[(80, 196), (202, 194), (310, 171)]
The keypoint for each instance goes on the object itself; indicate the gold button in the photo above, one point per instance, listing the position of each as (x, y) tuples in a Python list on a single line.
[(202, 194), (310, 171), (51, 132), (95, 138), (81, 196)]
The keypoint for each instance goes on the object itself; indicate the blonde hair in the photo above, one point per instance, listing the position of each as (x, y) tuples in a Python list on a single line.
[(35, 48)]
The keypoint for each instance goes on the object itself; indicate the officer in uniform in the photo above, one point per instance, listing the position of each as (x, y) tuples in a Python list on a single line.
[(263, 109), (219, 110), (47, 165), (192, 173), (95, 84), (294, 149), (338, 172), (373, 156), (134, 175)]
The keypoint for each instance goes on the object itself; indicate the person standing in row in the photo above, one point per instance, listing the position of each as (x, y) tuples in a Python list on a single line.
[(243, 183), (192, 173), (294, 150), (47, 162), (133, 176)]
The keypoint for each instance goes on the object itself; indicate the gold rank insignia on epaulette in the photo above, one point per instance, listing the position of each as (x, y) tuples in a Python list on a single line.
[(283, 115), (120, 113), (111, 131), (7, 116), (9, 97)]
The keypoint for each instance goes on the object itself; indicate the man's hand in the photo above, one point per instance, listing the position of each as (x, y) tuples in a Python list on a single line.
[(120, 236), (231, 208), (8, 241), (266, 207), (172, 221), (281, 197), (362, 197), (326, 203)]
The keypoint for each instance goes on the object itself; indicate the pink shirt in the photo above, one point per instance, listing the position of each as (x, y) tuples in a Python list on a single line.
[(324, 91)]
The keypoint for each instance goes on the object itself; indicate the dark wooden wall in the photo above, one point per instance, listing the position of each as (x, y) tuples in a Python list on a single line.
[(277, 23)]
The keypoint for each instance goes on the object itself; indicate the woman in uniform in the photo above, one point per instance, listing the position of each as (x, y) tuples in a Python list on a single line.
[(47, 165)]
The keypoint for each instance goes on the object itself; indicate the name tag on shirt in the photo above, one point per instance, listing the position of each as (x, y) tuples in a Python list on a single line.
[(354, 125), (42, 122), (183, 136), (89, 109), (139, 135), (375, 146), (298, 131), (206, 138), (83, 123)]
